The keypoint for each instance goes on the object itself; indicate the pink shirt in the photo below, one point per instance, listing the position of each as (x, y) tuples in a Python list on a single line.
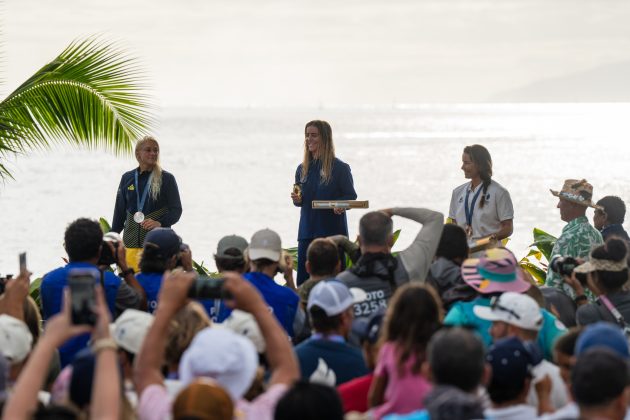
[(155, 404), (404, 393)]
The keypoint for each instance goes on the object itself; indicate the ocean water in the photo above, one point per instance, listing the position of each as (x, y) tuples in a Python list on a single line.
[(235, 169)]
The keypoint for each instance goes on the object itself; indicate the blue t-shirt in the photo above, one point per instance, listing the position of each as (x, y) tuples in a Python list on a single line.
[(283, 302), (51, 291), (152, 283), (322, 223), (343, 359), (461, 314)]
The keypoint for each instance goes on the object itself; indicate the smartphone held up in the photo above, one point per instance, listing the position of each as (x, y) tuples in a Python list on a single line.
[(83, 299)]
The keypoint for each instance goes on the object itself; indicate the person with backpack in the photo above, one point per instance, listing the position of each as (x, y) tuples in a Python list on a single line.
[(377, 271)]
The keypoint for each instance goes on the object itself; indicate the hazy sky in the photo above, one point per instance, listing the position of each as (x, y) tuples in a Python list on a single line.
[(305, 53)]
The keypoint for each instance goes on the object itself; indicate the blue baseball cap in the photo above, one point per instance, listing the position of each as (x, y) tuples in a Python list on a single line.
[(369, 328), (511, 361), (166, 240), (603, 334)]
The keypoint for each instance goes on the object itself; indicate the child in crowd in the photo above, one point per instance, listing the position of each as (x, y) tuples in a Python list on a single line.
[(413, 316)]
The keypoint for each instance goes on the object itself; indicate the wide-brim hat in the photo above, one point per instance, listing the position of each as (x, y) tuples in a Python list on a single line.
[(577, 191), (496, 271)]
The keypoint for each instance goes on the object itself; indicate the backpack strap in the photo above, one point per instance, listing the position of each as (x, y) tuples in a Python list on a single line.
[(613, 310)]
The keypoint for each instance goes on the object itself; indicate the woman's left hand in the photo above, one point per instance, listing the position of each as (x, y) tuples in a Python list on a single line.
[(150, 224), (339, 210)]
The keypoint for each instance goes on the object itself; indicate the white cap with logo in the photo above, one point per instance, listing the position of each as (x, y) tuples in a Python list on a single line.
[(514, 309), (130, 329), (334, 297), (15, 339)]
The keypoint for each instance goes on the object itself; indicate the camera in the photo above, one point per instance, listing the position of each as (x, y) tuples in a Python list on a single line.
[(107, 256), (182, 248), (208, 288), (564, 266), (81, 283)]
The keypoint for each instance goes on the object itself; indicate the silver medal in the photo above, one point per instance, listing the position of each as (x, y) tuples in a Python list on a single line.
[(138, 217)]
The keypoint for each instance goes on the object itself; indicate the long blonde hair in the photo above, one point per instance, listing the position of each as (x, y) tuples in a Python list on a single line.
[(156, 182), (326, 151)]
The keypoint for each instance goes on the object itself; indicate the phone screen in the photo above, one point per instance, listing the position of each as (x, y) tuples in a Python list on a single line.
[(81, 283), (22, 262)]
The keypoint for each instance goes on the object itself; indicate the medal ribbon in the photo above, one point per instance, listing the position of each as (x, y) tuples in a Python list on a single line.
[(145, 193), (469, 211)]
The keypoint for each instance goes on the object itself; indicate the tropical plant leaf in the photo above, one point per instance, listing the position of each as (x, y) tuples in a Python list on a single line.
[(90, 95), (396, 235), (544, 242), (538, 273), (34, 291), (105, 227)]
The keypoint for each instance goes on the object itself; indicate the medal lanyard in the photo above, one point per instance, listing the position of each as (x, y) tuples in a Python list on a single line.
[(140, 201), (469, 211)]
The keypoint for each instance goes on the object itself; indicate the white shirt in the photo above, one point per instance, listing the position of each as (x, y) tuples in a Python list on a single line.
[(559, 397), (487, 220), (514, 412)]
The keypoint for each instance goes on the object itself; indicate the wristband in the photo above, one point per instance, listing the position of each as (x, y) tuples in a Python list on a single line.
[(125, 273), (580, 298), (104, 344)]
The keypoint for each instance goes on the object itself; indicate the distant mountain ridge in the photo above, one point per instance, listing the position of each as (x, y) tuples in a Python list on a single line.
[(609, 83)]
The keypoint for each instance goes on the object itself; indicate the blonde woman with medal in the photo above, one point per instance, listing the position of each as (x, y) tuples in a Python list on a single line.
[(147, 198), (320, 176), (482, 206)]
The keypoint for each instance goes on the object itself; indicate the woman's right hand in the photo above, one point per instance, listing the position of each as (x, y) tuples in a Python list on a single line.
[(297, 199)]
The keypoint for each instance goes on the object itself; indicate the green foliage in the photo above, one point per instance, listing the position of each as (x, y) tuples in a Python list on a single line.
[(90, 95), (105, 227), (34, 291), (533, 262)]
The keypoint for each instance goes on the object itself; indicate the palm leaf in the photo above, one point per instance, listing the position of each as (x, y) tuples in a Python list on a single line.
[(90, 95)]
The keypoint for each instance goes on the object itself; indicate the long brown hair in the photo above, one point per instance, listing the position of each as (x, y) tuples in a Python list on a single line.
[(413, 316), (326, 151), (480, 156), (156, 182)]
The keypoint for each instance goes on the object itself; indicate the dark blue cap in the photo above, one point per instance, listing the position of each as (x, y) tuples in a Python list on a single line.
[(369, 329), (166, 240), (511, 361), (603, 334)]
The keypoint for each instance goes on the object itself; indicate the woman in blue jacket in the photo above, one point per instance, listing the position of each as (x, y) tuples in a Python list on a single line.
[(321, 176)]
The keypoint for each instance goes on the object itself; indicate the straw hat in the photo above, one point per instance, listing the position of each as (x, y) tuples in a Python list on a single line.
[(577, 191)]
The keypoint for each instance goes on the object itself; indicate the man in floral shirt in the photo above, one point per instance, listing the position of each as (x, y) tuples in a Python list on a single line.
[(578, 236)]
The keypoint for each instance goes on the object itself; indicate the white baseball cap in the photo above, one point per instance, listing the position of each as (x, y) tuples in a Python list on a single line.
[(512, 308), (15, 339), (265, 244), (334, 297), (244, 323), (130, 329), (222, 355)]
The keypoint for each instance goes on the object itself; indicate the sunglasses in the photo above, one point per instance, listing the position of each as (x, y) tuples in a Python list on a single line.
[(496, 306)]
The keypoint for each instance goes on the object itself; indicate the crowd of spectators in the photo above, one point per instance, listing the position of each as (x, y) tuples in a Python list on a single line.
[(429, 332)]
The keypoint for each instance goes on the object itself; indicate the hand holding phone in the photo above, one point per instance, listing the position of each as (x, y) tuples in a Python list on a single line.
[(22, 259), (81, 283)]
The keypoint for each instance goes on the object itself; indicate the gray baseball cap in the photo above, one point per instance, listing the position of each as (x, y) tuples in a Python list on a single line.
[(265, 244), (231, 242)]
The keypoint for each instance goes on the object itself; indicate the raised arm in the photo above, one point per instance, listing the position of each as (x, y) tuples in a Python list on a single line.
[(280, 355), (59, 329), (173, 296), (418, 256)]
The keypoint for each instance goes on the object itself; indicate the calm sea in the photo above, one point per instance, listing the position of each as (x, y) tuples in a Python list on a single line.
[(235, 169)]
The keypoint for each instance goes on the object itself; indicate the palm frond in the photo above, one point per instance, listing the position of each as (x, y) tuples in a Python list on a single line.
[(90, 95)]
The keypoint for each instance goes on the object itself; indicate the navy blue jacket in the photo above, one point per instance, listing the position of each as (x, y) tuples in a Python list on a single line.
[(167, 209), (321, 223), (614, 230), (345, 360), (51, 291)]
